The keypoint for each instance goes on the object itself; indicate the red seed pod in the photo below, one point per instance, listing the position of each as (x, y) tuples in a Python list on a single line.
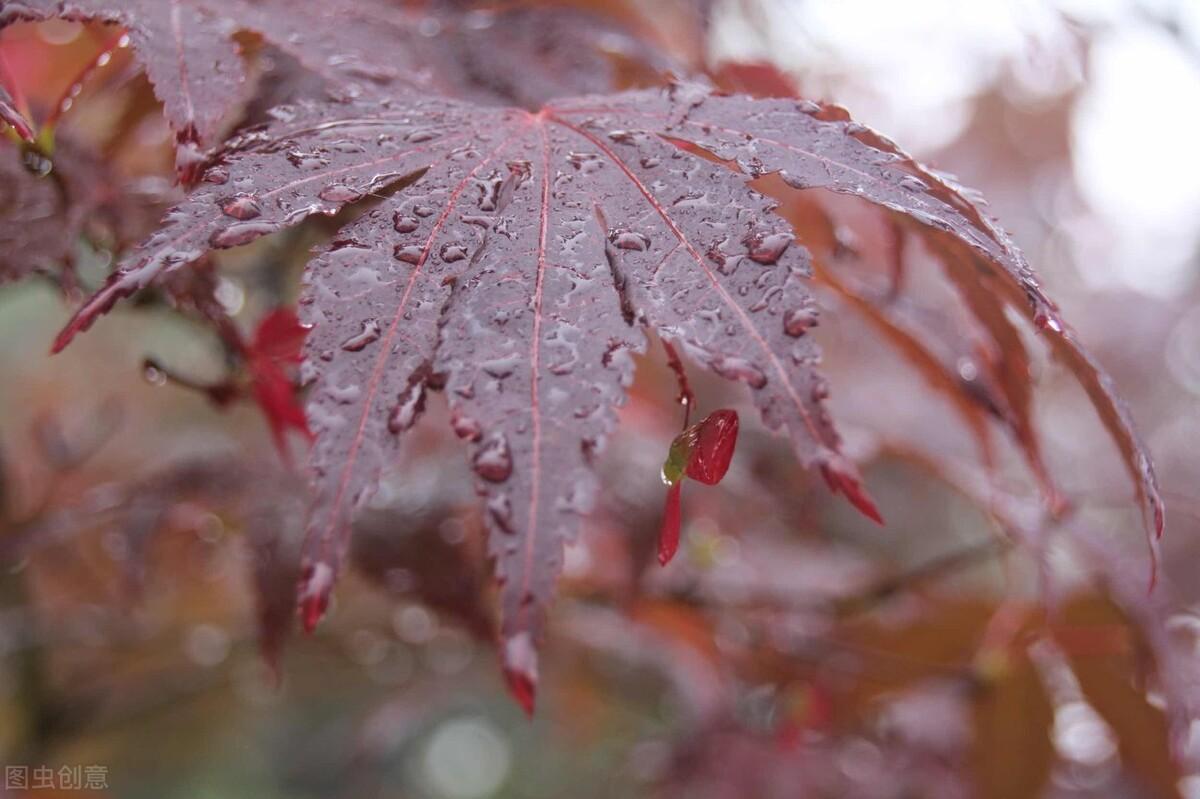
[(702, 452), (713, 450)]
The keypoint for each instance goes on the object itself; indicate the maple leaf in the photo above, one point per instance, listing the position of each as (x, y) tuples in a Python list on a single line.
[(270, 355), (365, 49), (516, 272), (191, 58), (520, 262)]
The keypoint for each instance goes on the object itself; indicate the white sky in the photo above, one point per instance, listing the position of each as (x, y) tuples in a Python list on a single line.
[(910, 69)]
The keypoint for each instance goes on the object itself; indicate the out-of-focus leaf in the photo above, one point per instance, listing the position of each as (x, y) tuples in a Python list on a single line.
[(1012, 752), (1114, 684)]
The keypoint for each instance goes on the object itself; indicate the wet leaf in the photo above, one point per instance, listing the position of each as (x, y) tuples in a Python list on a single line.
[(273, 353), (1012, 753), (520, 261)]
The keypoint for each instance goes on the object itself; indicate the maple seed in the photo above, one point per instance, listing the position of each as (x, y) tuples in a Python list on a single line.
[(702, 452)]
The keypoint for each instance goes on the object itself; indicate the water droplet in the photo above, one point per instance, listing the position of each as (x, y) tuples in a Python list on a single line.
[(36, 163), (409, 254), (913, 183), (404, 223), (767, 248), (241, 206), (340, 193), (520, 170), (587, 163), (493, 461), (408, 409), (465, 427), (153, 375), (422, 211), (734, 368), (306, 160), (501, 368), (218, 176), (489, 198), (241, 233), (628, 239), (453, 252), (797, 321), (1045, 320), (500, 510), (369, 333)]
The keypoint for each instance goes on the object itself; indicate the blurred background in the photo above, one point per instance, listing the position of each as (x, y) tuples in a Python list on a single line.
[(793, 649)]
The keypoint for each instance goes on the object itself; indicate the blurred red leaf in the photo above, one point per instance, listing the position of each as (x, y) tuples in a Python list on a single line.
[(271, 357)]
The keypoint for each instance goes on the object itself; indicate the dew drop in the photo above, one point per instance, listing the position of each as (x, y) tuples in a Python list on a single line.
[(408, 409), (501, 368), (36, 163), (241, 233), (465, 427), (453, 252), (500, 510), (767, 248), (404, 223), (1045, 320), (409, 254), (628, 239), (153, 375), (368, 334), (218, 176), (797, 321), (493, 461), (587, 163), (340, 193), (241, 206), (734, 368)]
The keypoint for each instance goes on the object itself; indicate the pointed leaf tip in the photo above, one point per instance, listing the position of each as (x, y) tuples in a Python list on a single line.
[(842, 477), (275, 349), (316, 584), (521, 670)]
